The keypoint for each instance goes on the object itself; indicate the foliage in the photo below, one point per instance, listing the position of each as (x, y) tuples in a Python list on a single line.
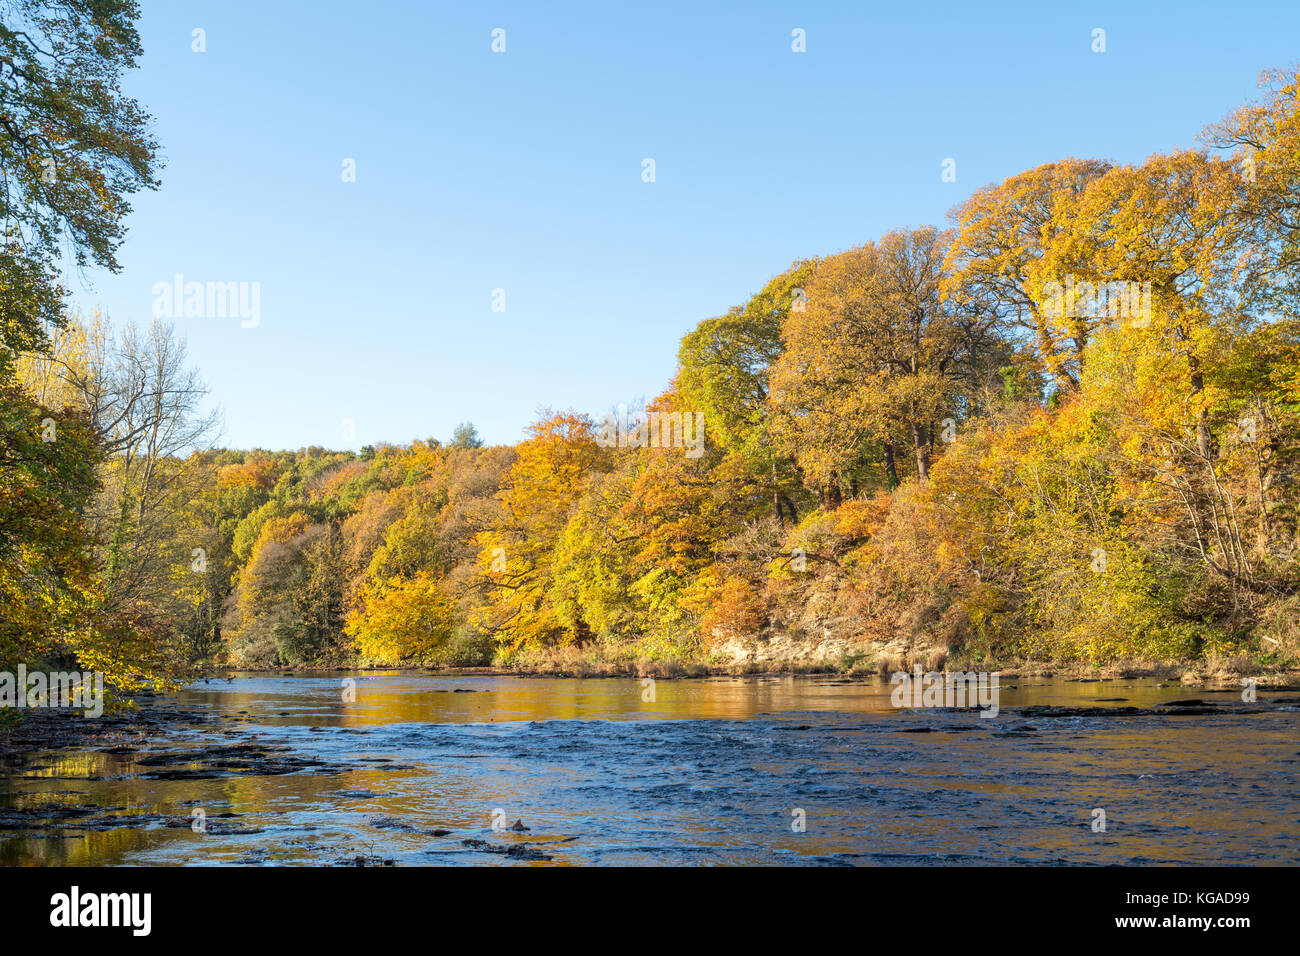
[(914, 444)]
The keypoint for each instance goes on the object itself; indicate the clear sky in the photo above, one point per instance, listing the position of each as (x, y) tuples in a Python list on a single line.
[(522, 171)]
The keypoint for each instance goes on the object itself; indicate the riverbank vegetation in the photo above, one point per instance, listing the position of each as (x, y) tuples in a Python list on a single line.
[(1064, 428)]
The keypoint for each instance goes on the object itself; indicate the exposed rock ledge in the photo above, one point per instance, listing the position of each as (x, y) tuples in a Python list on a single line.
[(807, 651)]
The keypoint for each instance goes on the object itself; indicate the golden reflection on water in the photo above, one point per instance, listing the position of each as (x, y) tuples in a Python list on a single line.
[(407, 697)]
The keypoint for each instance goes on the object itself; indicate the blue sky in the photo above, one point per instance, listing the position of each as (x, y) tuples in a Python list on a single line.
[(522, 171)]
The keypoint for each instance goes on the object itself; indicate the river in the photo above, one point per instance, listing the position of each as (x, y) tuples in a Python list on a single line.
[(407, 768)]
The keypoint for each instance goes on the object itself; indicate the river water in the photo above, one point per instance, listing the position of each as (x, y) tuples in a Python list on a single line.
[(755, 770)]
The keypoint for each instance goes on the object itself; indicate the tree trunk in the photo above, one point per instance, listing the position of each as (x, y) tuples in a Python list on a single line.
[(891, 466), (922, 452), (776, 497)]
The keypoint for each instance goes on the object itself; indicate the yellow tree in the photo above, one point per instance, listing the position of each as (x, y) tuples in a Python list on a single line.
[(1003, 255), (1264, 138), (879, 358), (1177, 225), (516, 559), (403, 619), (1171, 222)]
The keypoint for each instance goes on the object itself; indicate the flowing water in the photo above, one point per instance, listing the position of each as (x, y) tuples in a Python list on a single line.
[(755, 770)]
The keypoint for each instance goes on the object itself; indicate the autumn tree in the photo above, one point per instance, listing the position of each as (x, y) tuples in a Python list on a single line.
[(878, 359), (73, 148), (145, 405), (48, 476), (1264, 140), (516, 558), (1006, 250)]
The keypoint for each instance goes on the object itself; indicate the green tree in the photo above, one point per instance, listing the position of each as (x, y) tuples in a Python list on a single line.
[(465, 436), (724, 370), (73, 147)]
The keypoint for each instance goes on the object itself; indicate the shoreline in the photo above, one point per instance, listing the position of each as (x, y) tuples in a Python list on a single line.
[(1181, 672)]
